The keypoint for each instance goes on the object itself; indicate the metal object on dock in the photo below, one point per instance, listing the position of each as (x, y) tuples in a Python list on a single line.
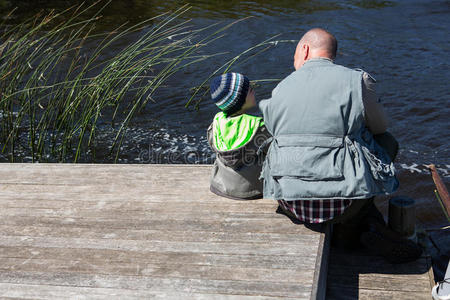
[(402, 216)]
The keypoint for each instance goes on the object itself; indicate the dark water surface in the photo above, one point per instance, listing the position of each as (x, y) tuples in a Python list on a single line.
[(404, 44)]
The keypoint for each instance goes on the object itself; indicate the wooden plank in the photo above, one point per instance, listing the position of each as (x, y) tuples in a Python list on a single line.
[(158, 235), (86, 174), (155, 284), (212, 214), (25, 291), (159, 269), (380, 281), (130, 191), (106, 194), (339, 293), (160, 246), (189, 225), (286, 262), (253, 206)]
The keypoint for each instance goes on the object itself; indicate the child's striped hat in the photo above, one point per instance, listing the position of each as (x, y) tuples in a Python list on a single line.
[(229, 91)]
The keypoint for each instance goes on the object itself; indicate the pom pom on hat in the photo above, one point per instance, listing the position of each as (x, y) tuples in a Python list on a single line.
[(229, 91)]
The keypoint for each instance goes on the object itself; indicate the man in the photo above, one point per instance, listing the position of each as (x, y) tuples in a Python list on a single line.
[(323, 164)]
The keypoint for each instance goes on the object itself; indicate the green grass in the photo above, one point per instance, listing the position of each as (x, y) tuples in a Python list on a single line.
[(54, 92), (56, 87)]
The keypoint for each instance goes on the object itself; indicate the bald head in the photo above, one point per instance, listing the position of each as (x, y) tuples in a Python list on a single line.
[(317, 42), (320, 40)]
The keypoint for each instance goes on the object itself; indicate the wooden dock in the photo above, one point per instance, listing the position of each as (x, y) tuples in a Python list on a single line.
[(146, 231), (155, 231), (359, 275)]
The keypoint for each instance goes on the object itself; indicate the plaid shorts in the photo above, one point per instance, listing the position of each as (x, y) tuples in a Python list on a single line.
[(317, 211)]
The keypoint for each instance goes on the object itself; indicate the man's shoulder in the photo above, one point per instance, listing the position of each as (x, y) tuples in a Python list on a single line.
[(288, 80), (357, 71)]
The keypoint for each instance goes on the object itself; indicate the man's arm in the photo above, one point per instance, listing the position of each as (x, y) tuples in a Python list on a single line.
[(262, 106), (375, 116)]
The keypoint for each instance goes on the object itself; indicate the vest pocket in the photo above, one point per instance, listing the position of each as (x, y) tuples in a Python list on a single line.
[(307, 157), (381, 169)]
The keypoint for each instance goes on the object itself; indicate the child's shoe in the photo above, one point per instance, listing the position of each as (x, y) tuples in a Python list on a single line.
[(441, 291)]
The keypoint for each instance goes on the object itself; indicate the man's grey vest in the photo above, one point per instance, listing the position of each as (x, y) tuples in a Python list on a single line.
[(321, 148)]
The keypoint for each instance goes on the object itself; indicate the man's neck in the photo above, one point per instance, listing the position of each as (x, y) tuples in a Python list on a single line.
[(320, 57)]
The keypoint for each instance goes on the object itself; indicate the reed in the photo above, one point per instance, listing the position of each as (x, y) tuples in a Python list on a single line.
[(200, 92), (54, 92)]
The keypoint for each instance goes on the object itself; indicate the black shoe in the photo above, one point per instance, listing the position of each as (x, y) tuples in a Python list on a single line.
[(389, 244)]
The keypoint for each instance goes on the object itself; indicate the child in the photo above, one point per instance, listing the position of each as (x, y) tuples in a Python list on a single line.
[(235, 137)]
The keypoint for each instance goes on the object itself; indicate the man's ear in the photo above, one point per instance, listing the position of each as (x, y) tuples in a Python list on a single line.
[(305, 51)]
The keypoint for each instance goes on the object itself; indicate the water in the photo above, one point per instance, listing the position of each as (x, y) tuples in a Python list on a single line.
[(403, 44)]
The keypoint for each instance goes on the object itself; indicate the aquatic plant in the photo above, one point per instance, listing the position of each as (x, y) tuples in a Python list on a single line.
[(55, 91), (200, 92)]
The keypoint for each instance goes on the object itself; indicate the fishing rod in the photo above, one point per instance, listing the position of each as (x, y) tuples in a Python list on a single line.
[(441, 191)]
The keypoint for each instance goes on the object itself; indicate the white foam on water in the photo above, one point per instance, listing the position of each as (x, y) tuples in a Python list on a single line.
[(412, 168), (443, 170)]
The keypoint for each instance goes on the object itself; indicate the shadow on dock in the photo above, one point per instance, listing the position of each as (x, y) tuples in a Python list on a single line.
[(360, 275), (357, 274)]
